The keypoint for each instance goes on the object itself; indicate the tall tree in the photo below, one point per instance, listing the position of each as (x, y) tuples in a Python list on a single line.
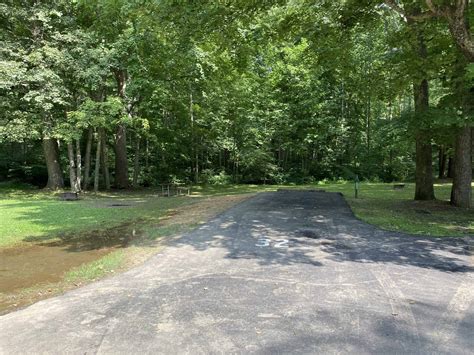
[(457, 14)]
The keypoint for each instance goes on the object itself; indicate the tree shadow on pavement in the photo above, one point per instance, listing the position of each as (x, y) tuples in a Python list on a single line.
[(333, 234)]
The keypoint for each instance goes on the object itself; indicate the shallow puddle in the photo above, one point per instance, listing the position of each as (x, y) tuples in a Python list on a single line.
[(44, 262), (29, 266)]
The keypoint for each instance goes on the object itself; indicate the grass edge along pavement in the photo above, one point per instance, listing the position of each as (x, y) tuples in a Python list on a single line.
[(394, 209)]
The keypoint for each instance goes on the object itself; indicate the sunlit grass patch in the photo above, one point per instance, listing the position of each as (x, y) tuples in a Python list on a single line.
[(394, 209), (96, 269), (25, 219)]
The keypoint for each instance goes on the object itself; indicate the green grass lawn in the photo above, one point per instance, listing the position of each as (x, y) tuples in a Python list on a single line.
[(29, 216), (97, 268), (381, 205)]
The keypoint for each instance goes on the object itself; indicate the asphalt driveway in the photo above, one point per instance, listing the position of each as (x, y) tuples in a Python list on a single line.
[(283, 272)]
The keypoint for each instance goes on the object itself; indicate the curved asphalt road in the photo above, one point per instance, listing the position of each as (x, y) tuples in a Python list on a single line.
[(236, 286)]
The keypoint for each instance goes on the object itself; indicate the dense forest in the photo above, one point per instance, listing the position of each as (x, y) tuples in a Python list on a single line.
[(100, 94)]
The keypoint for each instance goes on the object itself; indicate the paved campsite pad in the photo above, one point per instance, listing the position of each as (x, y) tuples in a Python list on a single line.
[(283, 272)]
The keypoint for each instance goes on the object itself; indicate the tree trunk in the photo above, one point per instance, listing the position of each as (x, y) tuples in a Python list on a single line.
[(136, 162), (104, 158), (51, 154), (147, 154), (97, 165), (424, 189), (462, 191), (87, 163), (450, 168), (196, 167), (72, 167), (121, 161), (78, 165), (194, 150), (442, 157), (458, 20), (368, 126)]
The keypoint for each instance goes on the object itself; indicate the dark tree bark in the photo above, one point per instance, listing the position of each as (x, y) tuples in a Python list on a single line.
[(194, 149), (104, 158), (121, 160), (87, 162), (147, 154), (450, 168), (424, 189), (51, 154), (136, 162), (462, 191), (368, 125), (442, 160), (97, 165)]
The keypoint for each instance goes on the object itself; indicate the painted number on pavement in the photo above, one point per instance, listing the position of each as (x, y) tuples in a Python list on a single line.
[(265, 242)]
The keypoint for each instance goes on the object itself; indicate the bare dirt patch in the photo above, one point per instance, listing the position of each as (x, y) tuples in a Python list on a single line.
[(201, 211)]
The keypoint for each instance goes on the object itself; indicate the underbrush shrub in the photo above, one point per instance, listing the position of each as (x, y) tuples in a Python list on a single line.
[(209, 176)]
